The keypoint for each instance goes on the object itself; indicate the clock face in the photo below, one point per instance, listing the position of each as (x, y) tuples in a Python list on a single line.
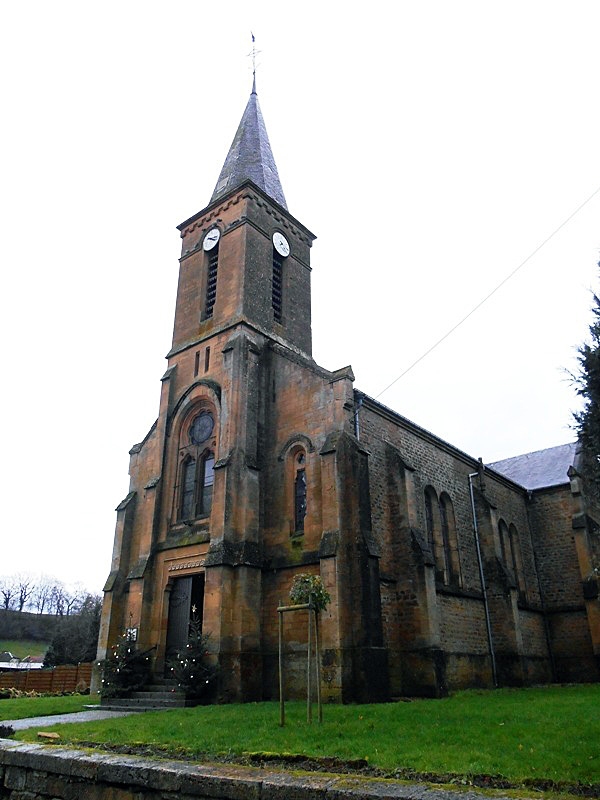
[(280, 243), (202, 427), (211, 239)]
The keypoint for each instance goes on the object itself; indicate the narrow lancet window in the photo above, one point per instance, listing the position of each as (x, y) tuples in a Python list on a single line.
[(188, 491), (300, 493), (208, 480)]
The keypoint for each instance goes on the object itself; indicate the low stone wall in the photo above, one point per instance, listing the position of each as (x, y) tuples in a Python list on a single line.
[(42, 772)]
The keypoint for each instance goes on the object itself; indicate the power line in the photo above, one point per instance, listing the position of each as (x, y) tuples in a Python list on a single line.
[(487, 297)]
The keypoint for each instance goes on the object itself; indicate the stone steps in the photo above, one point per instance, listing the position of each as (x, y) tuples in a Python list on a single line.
[(160, 695)]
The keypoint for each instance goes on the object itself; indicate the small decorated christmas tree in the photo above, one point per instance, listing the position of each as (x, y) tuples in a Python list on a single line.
[(125, 670), (191, 668)]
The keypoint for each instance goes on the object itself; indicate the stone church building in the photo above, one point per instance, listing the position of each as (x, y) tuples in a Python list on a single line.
[(443, 573)]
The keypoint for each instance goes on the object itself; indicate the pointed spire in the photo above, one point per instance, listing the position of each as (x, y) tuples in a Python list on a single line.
[(250, 156)]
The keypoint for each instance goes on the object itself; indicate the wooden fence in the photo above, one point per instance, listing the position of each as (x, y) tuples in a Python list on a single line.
[(57, 679)]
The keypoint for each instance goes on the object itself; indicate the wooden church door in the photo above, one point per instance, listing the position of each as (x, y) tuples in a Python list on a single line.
[(186, 601)]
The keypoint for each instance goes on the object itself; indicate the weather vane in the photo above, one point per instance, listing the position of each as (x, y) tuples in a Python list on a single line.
[(254, 52)]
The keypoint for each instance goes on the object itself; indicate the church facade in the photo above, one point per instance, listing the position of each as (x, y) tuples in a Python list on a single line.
[(443, 573)]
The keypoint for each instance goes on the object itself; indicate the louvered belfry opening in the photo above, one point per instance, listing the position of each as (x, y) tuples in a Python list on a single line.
[(211, 281), (277, 291)]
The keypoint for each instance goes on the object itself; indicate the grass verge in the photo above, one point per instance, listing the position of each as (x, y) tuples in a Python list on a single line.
[(20, 648), (23, 707), (523, 735)]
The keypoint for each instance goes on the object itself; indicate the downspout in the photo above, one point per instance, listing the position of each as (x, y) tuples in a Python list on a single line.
[(486, 607), (357, 407)]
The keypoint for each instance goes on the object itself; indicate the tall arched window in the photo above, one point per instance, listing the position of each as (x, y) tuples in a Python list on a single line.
[(505, 544), (188, 489), (196, 482), (515, 547), (511, 552), (207, 482), (429, 521), (450, 540), (441, 534), (300, 492), (197, 479), (434, 532), (196, 476)]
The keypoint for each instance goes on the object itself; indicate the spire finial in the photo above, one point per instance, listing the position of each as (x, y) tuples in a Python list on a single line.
[(253, 54)]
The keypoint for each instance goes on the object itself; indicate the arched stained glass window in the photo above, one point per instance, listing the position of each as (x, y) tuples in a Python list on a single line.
[(197, 480), (188, 488)]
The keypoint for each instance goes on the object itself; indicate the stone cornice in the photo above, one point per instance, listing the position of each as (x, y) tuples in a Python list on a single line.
[(247, 191)]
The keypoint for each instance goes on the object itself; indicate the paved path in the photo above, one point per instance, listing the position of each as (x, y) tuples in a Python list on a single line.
[(57, 719)]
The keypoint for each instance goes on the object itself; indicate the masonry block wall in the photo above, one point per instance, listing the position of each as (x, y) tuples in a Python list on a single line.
[(561, 581), (435, 622)]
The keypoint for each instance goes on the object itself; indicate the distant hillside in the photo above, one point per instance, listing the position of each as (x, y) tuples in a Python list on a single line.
[(23, 625)]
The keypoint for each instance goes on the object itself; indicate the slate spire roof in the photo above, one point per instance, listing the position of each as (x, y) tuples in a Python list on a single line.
[(250, 156)]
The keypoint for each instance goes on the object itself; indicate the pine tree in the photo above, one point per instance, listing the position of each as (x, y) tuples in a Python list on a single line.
[(587, 383)]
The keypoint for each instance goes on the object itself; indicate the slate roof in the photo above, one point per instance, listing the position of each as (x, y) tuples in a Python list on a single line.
[(250, 157), (540, 469)]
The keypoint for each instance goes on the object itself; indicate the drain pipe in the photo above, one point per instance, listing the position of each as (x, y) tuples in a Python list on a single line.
[(486, 607)]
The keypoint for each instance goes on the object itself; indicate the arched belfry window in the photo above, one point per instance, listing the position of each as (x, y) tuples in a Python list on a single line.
[(277, 286), (211, 248), (300, 491), (196, 467), (281, 250)]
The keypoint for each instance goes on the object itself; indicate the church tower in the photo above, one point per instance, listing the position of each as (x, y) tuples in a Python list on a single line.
[(250, 473), (244, 257)]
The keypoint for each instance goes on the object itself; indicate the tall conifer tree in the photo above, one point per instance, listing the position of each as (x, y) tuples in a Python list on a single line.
[(587, 382)]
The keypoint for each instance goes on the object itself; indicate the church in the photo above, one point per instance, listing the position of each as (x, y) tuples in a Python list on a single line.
[(444, 573)]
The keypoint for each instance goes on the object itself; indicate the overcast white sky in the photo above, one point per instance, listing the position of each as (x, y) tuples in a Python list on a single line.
[(430, 146)]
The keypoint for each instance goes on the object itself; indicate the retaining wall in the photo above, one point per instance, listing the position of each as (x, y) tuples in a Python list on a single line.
[(41, 772)]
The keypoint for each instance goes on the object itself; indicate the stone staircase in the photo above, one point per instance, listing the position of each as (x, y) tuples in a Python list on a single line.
[(158, 696)]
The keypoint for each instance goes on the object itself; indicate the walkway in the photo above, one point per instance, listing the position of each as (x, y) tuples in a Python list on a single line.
[(58, 719)]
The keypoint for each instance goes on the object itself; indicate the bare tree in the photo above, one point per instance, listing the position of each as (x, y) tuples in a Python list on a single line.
[(8, 591), (41, 597), (74, 598), (56, 604), (24, 589)]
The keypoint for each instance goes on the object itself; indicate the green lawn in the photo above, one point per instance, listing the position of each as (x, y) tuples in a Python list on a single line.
[(543, 733), (23, 707), (23, 647)]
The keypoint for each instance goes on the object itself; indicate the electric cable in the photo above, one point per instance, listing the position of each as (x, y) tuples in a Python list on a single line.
[(487, 297)]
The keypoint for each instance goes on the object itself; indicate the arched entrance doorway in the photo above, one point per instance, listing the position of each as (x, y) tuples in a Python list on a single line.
[(186, 600)]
